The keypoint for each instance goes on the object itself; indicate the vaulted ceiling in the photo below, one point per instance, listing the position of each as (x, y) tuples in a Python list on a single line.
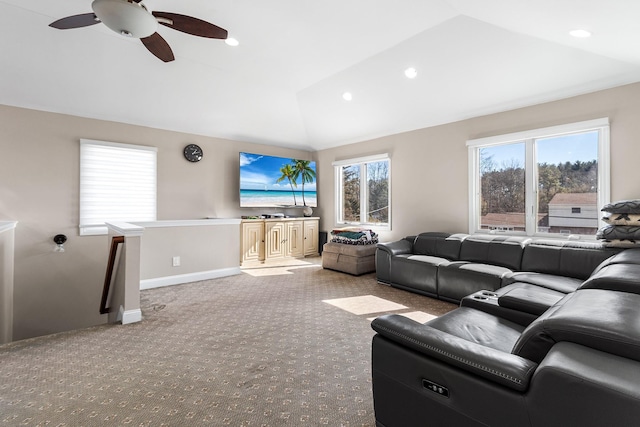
[(283, 84)]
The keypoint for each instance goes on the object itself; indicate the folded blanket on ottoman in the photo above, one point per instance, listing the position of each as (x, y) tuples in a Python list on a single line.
[(354, 236)]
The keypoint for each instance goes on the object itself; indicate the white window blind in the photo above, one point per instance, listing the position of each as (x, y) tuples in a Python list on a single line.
[(117, 183)]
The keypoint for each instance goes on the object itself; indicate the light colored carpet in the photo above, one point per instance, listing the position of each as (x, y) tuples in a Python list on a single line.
[(248, 350)]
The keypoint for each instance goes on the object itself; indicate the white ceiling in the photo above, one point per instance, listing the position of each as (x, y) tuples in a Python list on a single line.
[(283, 84)]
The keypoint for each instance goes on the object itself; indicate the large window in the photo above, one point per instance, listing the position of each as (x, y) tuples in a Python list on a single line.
[(363, 191), (545, 181), (117, 183)]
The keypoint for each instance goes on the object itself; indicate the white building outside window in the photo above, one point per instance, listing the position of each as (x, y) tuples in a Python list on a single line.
[(550, 181)]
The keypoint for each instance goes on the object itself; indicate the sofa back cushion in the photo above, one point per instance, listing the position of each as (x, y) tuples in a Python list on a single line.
[(565, 258), (605, 320), (620, 272), (442, 245), (496, 250), (626, 256)]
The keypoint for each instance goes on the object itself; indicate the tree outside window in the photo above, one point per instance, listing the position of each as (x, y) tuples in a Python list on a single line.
[(541, 183), (363, 191)]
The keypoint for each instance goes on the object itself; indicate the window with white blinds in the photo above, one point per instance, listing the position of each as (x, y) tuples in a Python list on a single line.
[(117, 183)]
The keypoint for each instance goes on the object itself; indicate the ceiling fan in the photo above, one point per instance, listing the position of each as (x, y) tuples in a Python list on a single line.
[(131, 18)]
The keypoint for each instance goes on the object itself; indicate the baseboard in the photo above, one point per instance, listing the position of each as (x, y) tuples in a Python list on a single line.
[(131, 316), (186, 278)]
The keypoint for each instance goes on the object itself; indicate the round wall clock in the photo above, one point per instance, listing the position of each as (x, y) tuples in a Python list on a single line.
[(193, 153)]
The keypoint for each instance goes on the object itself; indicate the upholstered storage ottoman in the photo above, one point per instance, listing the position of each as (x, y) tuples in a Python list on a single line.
[(352, 259)]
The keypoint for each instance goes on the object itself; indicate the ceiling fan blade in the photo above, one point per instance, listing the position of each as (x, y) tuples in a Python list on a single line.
[(75, 21), (190, 25), (159, 47)]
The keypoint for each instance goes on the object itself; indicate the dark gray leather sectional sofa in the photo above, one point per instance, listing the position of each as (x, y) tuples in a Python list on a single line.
[(452, 266), (555, 342)]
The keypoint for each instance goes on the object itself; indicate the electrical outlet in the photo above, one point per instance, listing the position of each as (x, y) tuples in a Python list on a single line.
[(176, 261)]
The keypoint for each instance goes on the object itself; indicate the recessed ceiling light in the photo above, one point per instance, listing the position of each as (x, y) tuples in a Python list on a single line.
[(347, 96), (580, 33), (231, 41), (411, 73)]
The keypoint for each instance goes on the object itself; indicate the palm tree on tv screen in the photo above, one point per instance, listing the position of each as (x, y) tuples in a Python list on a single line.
[(302, 169), (289, 173)]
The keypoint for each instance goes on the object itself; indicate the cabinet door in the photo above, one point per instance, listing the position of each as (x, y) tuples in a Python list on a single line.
[(294, 239), (275, 239), (311, 227), (252, 242)]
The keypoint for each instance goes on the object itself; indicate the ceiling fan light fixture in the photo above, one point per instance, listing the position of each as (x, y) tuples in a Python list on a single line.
[(230, 41), (123, 17), (411, 73), (580, 33)]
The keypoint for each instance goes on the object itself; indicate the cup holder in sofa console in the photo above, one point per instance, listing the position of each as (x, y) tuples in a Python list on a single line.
[(483, 297), (488, 302)]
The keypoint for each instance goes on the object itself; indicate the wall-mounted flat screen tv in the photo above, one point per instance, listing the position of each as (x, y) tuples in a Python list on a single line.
[(269, 181)]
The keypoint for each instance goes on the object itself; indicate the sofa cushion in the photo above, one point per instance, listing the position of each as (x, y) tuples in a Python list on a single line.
[(564, 258), (615, 277), (550, 281), (442, 245), (629, 256), (425, 243), (433, 260), (528, 298), (497, 250), (459, 279), (479, 327), (417, 272), (608, 321)]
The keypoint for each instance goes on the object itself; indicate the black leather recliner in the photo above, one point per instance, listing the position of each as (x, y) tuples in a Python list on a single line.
[(578, 364)]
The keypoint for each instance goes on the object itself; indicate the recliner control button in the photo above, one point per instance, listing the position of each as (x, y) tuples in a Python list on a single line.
[(436, 388)]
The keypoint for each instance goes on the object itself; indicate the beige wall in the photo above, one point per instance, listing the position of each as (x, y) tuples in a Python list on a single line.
[(39, 186), (429, 166), (39, 175), (206, 247)]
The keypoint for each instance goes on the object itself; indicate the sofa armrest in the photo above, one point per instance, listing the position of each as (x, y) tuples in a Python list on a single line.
[(581, 386), (503, 368), (396, 248)]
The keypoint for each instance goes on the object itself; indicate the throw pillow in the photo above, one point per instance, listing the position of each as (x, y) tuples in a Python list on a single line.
[(623, 206), (622, 219), (625, 244), (618, 232)]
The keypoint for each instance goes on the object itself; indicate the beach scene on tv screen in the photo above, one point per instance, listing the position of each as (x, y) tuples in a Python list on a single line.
[(269, 181)]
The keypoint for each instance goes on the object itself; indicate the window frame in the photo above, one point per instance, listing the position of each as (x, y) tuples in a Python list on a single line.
[(600, 125), (362, 162), (93, 229)]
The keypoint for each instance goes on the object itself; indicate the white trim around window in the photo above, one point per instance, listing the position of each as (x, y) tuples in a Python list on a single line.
[(362, 162), (529, 137)]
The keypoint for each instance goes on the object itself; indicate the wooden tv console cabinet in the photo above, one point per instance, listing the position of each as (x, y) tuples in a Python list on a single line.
[(277, 239)]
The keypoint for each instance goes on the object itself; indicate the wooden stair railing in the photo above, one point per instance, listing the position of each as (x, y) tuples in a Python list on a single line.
[(115, 241)]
